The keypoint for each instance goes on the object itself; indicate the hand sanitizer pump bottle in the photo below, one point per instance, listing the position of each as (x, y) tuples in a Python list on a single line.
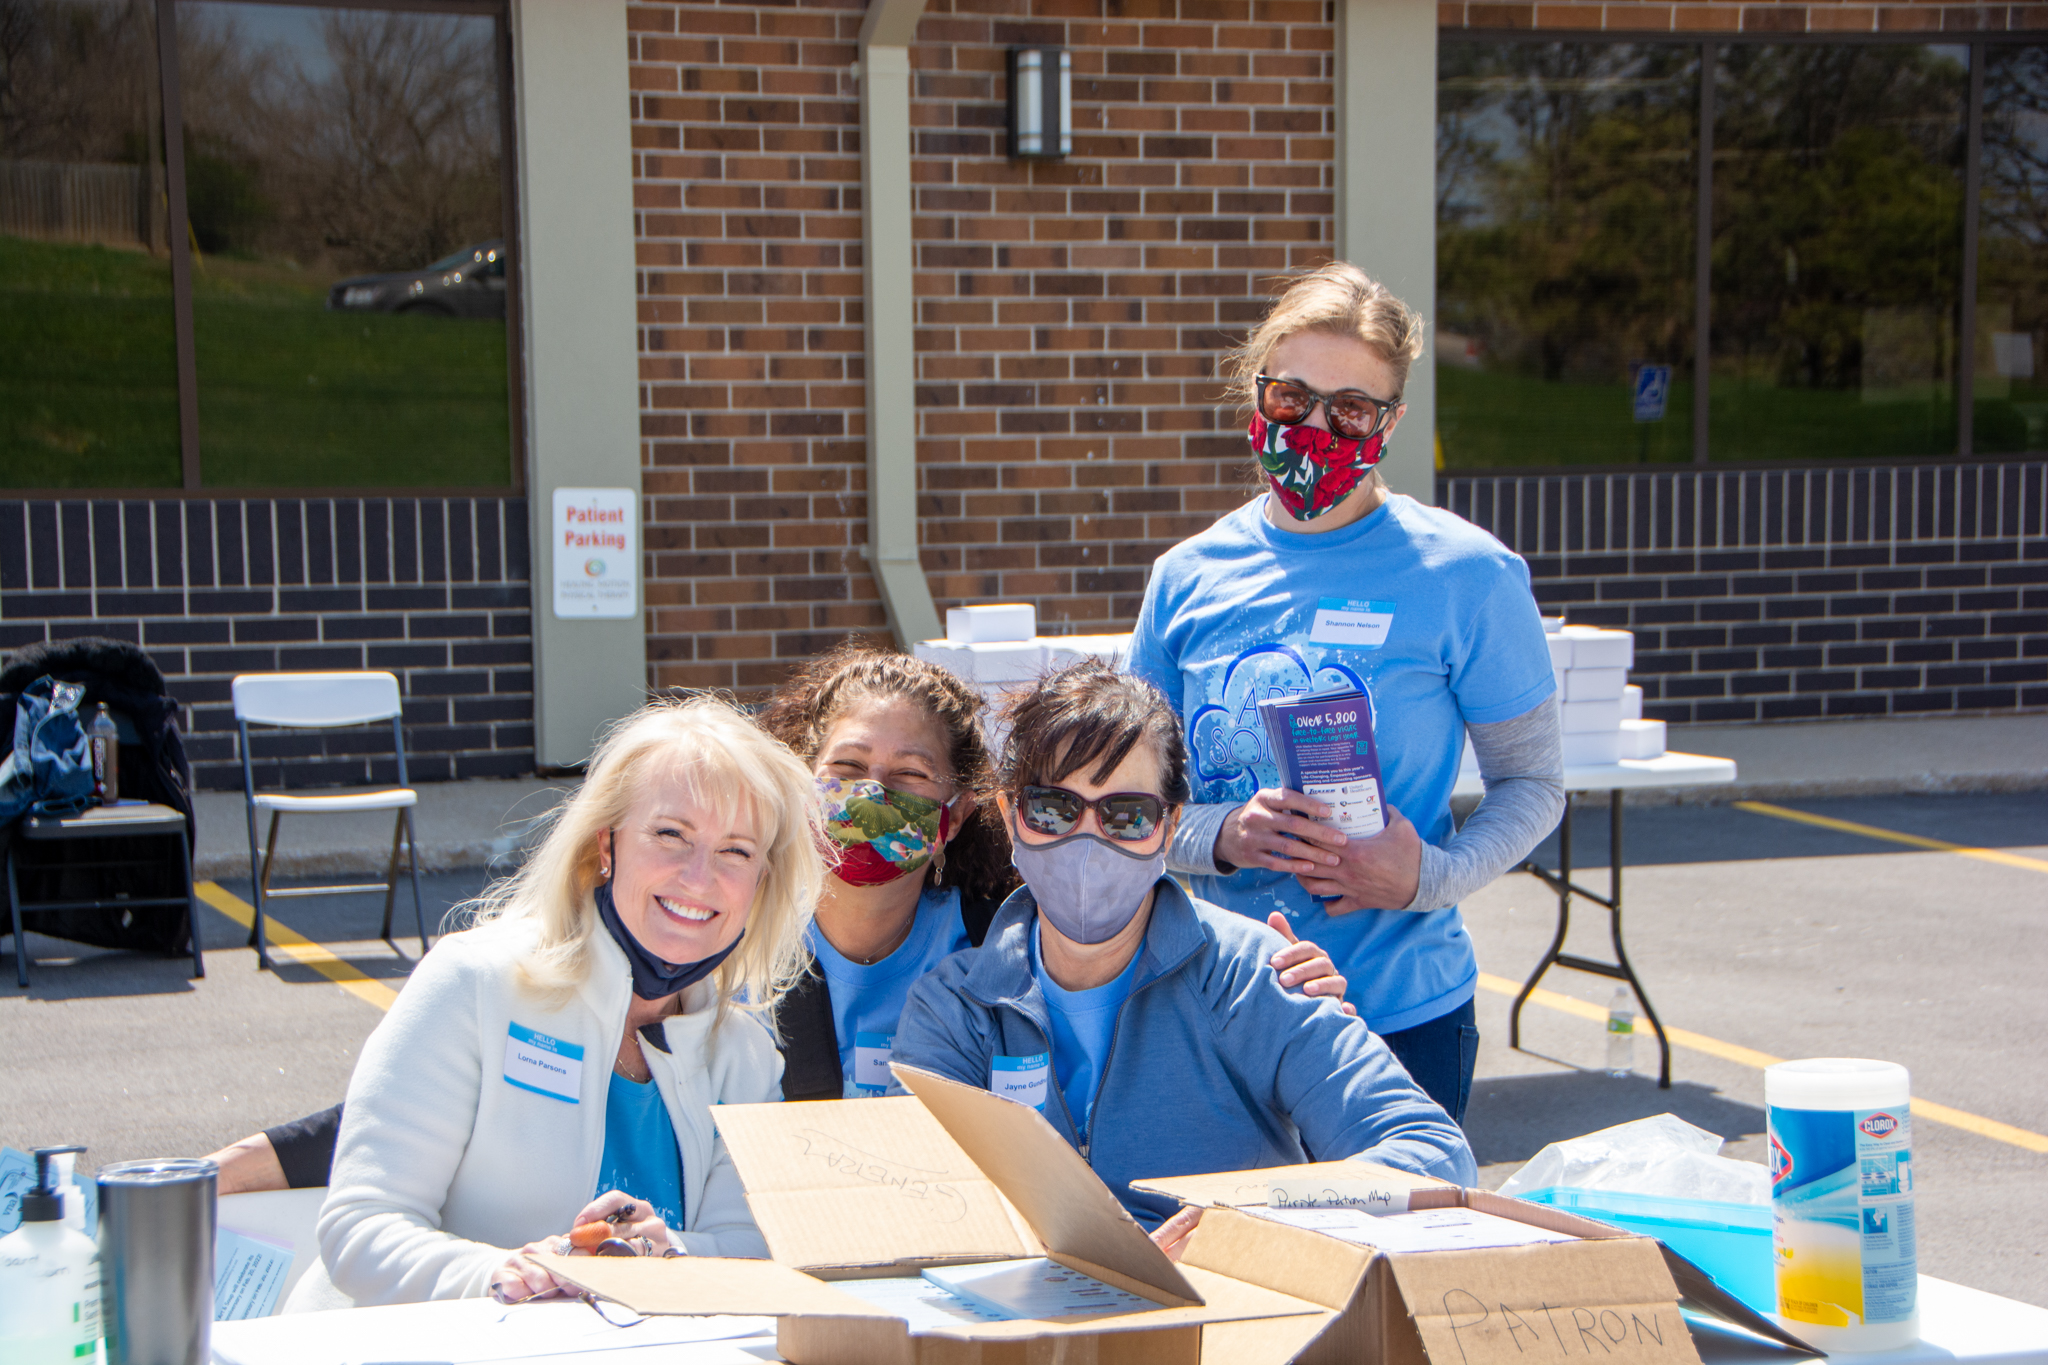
[(47, 1314)]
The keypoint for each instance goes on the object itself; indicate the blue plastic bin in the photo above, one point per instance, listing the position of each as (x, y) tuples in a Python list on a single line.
[(1731, 1242)]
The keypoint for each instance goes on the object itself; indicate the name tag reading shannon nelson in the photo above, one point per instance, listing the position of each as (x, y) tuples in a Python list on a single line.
[(1368, 1196), (544, 1065)]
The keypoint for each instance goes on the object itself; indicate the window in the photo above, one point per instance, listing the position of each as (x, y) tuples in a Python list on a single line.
[(1830, 303), (339, 267)]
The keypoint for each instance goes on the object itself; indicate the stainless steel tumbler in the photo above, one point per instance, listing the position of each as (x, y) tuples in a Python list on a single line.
[(156, 1260)]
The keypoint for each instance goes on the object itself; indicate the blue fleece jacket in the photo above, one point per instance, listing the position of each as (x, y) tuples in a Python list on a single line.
[(1213, 1065)]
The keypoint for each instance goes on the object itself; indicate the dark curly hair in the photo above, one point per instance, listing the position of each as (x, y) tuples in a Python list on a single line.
[(805, 708)]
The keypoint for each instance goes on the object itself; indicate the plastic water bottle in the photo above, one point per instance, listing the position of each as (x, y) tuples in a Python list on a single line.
[(1621, 1034), (106, 757)]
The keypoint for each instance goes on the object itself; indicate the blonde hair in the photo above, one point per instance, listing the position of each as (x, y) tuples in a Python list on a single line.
[(1336, 299), (724, 759)]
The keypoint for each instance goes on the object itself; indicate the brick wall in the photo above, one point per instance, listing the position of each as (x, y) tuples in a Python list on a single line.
[(432, 589), (1774, 16), (1794, 594), (1069, 314)]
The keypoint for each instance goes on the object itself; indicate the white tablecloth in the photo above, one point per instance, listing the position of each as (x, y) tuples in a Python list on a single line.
[(1665, 770), (1956, 1324)]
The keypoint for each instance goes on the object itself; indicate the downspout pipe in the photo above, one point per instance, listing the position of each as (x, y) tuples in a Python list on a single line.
[(889, 310)]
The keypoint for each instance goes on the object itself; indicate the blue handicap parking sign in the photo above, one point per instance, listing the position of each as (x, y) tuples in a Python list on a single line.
[(1652, 388)]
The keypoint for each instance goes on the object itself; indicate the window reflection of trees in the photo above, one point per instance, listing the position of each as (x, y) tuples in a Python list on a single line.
[(2011, 409), (1565, 192), (378, 151), (1838, 221)]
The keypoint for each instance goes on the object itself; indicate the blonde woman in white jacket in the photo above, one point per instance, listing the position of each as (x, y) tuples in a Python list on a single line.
[(557, 1062)]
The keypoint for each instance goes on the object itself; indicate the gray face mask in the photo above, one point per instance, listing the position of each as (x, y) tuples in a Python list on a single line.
[(1088, 886)]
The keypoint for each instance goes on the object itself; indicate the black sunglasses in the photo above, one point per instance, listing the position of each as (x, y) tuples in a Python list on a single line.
[(1127, 817), (1351, 414)]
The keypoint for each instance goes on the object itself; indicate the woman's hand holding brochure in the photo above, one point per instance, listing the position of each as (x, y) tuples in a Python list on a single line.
[(1380, 873)]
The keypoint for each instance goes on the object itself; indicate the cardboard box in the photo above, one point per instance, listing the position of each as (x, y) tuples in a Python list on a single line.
[(1642, 738), (1593, 647), (1582, 717), (1592, 748), (1631, 702), (1611, 1296), (862, 1189), (1560, 652), (1594, 684), (1064, 650), (996, 623), (1016, 662)]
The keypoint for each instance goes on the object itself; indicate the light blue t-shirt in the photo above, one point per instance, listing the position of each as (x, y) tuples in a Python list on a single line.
[(1429, 614), (1083, 1022), (867, 1000), (641, 1156)]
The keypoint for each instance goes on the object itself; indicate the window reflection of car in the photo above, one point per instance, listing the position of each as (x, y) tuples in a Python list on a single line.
[(467, 284)]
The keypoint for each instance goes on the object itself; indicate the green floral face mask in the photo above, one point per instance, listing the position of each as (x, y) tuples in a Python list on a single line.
[(882, 833)]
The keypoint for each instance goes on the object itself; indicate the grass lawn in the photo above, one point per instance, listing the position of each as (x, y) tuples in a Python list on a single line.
[(290, 395), (1497, 420)]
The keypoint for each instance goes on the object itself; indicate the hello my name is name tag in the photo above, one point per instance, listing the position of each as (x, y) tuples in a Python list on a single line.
[(1357, 624), (544, 1065)]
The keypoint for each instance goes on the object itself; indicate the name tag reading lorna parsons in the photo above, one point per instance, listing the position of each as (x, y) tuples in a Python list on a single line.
[(1023, 1079), (544, 1065), (1360, 625)]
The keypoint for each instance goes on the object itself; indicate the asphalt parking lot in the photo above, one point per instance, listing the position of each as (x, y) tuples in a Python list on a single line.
[(1757, 935)]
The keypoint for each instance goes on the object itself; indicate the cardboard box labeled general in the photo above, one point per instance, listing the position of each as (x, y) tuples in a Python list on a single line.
[(952, 1175), (1610, 1296)]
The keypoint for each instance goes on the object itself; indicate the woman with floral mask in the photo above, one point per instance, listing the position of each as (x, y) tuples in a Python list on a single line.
[(1149, 1027), (1327, 580)]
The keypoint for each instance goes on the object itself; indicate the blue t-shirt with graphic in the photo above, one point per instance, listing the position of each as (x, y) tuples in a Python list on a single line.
[(867, 999), (1083, 1022), (641, 1155), (1430, 615)]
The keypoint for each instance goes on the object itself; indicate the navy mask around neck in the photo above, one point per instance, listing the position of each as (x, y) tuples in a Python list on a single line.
[(654, 979)]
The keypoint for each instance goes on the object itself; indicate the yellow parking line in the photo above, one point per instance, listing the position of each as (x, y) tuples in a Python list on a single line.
[(1745, 1056), (287, 942), (1989, 855)]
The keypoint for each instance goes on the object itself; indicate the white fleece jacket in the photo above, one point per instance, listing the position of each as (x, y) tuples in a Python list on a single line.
[(442, 1166)]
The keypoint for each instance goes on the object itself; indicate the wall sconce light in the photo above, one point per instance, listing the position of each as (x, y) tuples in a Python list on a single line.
[(1041, 102)]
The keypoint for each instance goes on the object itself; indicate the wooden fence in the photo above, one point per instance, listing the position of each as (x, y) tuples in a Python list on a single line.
[(73, 202)]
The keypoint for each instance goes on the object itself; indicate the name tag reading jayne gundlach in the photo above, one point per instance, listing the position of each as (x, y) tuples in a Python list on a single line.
[(543, 1065), (1023, 1079)]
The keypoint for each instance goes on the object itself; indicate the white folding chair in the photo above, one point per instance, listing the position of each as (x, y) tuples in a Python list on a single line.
[(325, 701)]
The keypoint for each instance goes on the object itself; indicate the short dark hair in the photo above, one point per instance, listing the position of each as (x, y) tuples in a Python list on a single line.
[(1090, 715)]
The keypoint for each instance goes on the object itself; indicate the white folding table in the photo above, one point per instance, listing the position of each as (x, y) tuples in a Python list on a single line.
[(1958, 1326), (1631, 774)]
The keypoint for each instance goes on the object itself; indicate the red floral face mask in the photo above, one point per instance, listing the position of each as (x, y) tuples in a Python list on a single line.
[(1311, 470)]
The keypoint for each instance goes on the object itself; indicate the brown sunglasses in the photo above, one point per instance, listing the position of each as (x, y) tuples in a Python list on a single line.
[(1351, 414)]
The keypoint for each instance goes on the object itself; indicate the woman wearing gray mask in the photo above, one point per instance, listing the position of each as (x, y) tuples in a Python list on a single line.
[(1149, 1027)]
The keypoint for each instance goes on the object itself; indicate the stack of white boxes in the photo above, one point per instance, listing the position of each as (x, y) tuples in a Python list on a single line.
[(996, 648), (1603, 715)]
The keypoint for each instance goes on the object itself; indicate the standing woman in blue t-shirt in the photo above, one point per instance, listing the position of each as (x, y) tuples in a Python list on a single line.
[(1331, 579)]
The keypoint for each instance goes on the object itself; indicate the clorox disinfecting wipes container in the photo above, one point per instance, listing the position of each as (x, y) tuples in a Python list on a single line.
[(1842, 1202)]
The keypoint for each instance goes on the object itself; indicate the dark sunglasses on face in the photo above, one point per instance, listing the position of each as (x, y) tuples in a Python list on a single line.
[(1127, 817), (1351, 414)]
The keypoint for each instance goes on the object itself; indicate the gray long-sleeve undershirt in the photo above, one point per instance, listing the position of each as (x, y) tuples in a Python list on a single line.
[(1521, 765)]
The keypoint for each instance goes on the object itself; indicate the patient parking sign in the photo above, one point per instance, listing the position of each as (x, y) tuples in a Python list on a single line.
[(595, 536)]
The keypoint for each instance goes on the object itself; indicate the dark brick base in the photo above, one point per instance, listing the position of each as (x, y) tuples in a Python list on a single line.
[(433, 590), (1796, 594)]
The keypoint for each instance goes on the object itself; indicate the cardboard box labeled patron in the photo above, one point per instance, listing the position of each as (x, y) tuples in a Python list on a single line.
[(866, 1189), (1609, 1295)]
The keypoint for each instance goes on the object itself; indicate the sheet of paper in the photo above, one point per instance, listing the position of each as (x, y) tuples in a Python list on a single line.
[(248, 1275), (465, 1332), (1034, 1287), (1429, 1230), (919, 1302)]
